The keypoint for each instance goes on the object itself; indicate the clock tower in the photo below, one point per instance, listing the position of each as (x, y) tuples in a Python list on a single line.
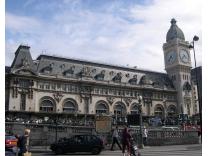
[(178, 66)]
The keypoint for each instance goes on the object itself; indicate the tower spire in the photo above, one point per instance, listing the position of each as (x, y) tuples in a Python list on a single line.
[(174, 32)]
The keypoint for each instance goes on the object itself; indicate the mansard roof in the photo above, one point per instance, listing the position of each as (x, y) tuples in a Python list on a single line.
[(67, 68), (7, 69), (76, 67), (91, 63)]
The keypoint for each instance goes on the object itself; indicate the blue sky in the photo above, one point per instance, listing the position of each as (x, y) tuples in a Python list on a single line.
[(121, 32)]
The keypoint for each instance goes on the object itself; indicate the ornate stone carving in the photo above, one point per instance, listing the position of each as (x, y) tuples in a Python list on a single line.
[(85, 97), (94, 70), (111, 73), (145, 80), (128, 101), (58, 96), (62, 66), (110, 99), (187, 87), (102, 72), (14, 92), (25, 62), (86, 71), (85, 89)]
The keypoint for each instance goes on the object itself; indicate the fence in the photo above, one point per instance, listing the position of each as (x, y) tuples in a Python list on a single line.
[(160, 137), (45, 134)]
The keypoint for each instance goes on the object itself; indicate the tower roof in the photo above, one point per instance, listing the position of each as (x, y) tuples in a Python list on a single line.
[(174, 32)]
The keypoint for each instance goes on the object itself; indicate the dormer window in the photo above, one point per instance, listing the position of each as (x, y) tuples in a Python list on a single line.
[(100, 76), (117, 78), (51, 65), (133, 81), (69, 72), (62, 66), (47, 70)]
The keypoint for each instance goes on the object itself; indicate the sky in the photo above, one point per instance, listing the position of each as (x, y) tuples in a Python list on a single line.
[(119, 32)]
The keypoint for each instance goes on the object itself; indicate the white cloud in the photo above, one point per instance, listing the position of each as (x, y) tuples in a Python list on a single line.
[(22, 24), (134, 37)]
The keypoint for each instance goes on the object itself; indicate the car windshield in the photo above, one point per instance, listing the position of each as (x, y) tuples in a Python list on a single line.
[(63, 139)]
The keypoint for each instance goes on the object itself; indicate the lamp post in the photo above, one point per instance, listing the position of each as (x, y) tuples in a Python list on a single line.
[(140, 120), (75, 114), (191, 46), (165, 110), (56, 124)]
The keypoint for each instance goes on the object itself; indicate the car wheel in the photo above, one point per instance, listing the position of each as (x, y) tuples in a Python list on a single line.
[(96, 150), (59, 151)]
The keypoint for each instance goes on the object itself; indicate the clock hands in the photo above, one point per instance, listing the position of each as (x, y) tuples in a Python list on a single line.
[(170, 58), (184, 58)]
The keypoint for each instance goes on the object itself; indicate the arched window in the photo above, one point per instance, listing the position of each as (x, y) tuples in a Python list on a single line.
[(135, 109), (120, 109), (47, 106), (171, 111), (159, 111), (101, 108), (69, 107)]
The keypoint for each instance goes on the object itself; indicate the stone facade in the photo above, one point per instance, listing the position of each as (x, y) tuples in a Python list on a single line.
[(54, 84), (178, 66)]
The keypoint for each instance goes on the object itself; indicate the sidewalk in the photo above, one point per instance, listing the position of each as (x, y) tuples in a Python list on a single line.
[(46, 149), (173, 147), (40, 149)]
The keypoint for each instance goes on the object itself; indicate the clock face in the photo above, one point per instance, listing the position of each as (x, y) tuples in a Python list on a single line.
[(171, 57), (184, 56)]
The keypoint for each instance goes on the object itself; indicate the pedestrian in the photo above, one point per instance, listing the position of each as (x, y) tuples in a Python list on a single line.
[(145, 133), (23, 143), (115, 138), (17, 148), (126, 141)]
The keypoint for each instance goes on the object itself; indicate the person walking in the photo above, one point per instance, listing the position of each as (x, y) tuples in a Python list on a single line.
[(145, 133), (126, 141), (115, 138), (17, 148), (23, 143)]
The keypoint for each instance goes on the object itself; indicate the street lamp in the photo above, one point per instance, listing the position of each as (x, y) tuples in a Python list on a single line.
[(140, 120), (191, 46), (75, 114), (56, 124), (165, 110)]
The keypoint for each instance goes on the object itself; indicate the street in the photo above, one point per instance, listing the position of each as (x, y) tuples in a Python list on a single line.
[(175, 150)]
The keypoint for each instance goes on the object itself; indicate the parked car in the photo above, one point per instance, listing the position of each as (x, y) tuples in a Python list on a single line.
[(78, 143), (10, 142), (9, 153)]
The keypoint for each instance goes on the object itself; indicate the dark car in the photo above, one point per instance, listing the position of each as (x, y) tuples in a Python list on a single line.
[(78, 143), (10, 153), (10, 142)]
